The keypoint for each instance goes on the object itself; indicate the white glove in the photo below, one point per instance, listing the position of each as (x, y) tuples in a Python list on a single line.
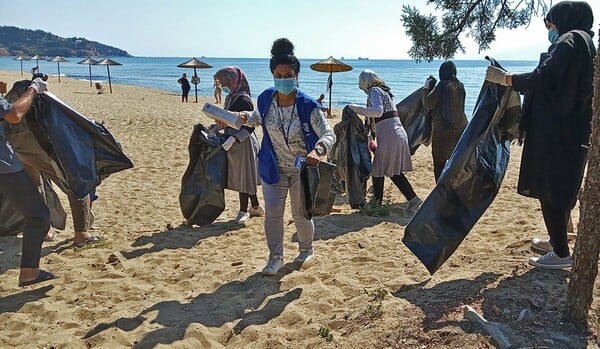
[(496, 75), (39, 85), (228, 143)]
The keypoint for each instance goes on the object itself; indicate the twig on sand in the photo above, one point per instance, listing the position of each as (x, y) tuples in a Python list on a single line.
[(493, 329)]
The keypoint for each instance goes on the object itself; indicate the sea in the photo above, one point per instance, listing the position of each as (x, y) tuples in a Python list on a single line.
[(402, 76)]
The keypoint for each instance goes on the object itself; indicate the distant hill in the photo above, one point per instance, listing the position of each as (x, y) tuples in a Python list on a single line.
[(15, 41)]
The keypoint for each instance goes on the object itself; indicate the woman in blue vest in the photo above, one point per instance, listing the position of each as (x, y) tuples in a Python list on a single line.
[(294, 127), (392, 156)]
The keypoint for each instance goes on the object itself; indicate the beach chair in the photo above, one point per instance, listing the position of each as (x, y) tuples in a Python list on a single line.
[(99, 88)]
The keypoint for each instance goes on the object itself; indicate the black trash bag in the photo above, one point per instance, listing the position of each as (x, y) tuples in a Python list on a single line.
[(352, 157), (11, 220), (317, 193), (470, 180), (413, 117), (202, 197), (83, 151)]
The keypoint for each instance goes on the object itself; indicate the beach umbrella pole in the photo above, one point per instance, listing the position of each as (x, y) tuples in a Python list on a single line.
[(58, 63), (330, 88), (90, 66), (109, 85), (196, 86), (21, 68)]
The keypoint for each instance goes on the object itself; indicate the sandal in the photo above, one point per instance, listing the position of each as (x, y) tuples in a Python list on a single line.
[(90, 240), (42, 276)]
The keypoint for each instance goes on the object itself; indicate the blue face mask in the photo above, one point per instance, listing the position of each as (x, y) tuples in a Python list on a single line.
[(553, 35), (286, 86), (226, 89)]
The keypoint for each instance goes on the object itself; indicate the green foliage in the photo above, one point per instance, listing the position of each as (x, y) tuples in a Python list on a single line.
[(326, 334), (27, 42), (376, 209), (478, 19)]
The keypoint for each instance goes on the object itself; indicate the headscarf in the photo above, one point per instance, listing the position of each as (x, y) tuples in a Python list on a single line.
[(369, 78), (234, 78), (571, 15), (447, 75)]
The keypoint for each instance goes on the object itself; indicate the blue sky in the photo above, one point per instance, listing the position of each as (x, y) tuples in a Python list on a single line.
[(247, 28)]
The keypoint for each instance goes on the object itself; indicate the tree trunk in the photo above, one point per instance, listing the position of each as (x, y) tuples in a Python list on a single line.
[(587, 245)]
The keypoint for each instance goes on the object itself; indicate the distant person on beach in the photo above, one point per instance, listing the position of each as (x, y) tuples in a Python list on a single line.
[(448, 120), (392, 157), (555, 125), (217, 87), (185, 87), (17, 187), (294, 128), (242, 145), (321, 99)]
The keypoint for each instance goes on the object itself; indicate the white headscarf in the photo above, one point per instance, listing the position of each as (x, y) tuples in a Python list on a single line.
[(368, 79)]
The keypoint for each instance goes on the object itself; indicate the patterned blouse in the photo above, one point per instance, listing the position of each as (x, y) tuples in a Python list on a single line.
[(284, 128)]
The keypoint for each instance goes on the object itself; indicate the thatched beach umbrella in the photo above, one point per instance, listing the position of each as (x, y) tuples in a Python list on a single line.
[(89, 61), (21, 58), (58, 59), (195, 63), (330, 65), (108, 62), (37, 58)]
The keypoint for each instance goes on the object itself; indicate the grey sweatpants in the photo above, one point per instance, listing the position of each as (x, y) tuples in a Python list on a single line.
[(275, 196)]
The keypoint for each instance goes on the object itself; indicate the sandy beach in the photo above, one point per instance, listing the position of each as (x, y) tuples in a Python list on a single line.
[(154, 282)]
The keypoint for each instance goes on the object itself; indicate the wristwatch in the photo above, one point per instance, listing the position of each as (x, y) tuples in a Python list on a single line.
[(320, 150)]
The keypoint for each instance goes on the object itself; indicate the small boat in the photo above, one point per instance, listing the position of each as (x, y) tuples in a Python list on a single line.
[(363, 58)]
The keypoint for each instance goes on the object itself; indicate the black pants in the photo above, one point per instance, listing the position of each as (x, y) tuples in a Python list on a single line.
[(556, 223), (399, 180), (19, 190), (244, 201)]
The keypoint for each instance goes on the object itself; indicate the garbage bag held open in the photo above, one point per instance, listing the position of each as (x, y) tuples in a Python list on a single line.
[(470, 180)]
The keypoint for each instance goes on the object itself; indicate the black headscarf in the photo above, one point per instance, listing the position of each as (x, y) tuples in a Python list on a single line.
[(571, 15), (447, 75)]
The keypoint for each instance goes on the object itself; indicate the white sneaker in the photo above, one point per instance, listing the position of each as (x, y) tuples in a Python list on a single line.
[(273, 265), (256, 212), (242, 217), (304, 256), (414, 203), (542, 246), (551, 261)]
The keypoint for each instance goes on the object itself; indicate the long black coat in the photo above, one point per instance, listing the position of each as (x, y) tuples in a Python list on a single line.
[(556, 120)]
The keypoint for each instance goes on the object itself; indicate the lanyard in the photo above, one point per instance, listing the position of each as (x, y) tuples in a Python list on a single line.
[(286, 133)]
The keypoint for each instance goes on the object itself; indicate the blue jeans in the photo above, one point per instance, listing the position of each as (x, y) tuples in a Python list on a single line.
[(19, 190), (275, 196)]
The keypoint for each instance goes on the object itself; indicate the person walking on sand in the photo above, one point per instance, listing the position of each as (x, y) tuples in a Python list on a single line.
[(242, 145), (448, 120), (555, 123), (294, 127), (392, 157), (217, 87), (18, 188), (185, 87)]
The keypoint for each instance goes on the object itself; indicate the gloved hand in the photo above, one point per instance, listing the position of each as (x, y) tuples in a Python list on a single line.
[(39, 85), (430, 83), (496, 75), (228, 143)]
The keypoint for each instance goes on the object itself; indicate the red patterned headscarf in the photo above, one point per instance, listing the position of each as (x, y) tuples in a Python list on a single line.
[(235, 79)]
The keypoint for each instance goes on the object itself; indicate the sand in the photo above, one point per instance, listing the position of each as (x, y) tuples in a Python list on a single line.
[(155, 282)]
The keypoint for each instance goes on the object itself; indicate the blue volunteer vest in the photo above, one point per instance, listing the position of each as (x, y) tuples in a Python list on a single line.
[(267, 162)]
